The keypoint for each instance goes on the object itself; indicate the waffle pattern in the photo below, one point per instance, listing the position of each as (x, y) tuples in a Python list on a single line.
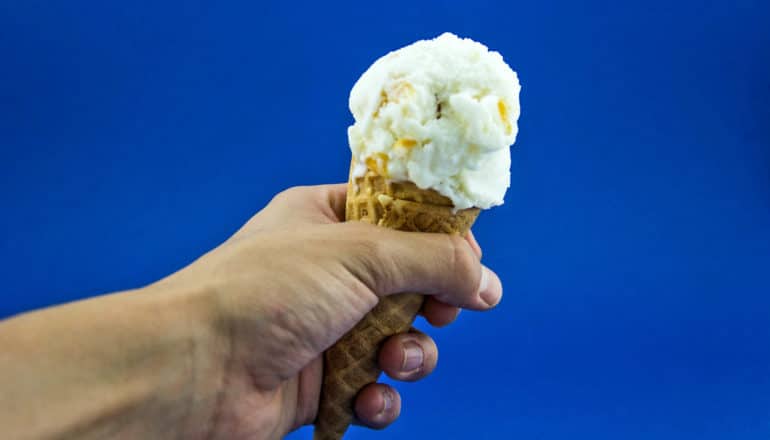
[(351, 363)]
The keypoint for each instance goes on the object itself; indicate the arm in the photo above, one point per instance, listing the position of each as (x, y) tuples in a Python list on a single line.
[(122, 365), (230, 347)]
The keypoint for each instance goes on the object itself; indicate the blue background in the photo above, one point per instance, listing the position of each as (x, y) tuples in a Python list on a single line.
[(634, 243)]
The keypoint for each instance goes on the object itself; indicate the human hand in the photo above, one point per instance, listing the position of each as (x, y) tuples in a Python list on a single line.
[(290, 283)]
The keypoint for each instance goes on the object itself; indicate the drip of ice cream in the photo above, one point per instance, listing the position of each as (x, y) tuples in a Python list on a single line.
[(441, 113)]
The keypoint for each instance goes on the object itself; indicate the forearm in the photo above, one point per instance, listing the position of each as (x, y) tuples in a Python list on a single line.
[(126, 365)]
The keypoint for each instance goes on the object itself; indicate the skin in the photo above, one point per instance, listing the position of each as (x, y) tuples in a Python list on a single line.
[(230, 347)]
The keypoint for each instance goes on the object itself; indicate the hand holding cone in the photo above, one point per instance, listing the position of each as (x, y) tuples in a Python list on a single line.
[(351, 363)]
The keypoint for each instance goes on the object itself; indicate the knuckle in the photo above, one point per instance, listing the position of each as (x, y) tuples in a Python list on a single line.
[(373, 266), (376, 256), (290, 193)]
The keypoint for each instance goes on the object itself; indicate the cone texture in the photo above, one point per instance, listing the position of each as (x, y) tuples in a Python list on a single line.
[(351, 363)]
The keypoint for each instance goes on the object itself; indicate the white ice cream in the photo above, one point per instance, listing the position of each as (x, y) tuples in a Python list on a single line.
[(441, 113)]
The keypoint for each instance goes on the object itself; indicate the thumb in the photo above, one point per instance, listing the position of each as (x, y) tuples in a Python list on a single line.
[(441, 265)]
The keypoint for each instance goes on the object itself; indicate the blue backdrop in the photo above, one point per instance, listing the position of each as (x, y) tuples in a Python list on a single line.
[(634, 243)]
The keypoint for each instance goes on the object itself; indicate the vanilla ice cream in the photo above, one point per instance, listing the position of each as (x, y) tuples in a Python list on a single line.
[(442, 114)]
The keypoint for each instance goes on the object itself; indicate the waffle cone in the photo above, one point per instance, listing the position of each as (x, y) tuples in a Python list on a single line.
[(351, 363)]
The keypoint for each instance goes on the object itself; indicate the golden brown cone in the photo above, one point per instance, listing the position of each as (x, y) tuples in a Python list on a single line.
[(351, 363)]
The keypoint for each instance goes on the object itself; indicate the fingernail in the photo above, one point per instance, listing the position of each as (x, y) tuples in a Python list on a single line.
[(413, 357), (487, 293), (387, 402)]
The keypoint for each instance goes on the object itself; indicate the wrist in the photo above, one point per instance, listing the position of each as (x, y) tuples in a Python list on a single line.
[(188, 314)]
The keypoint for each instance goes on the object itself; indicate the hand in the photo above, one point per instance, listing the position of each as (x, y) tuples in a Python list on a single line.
[(293, 281)]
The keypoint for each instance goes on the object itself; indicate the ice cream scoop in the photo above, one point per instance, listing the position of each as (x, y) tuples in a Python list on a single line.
[(442, 114)]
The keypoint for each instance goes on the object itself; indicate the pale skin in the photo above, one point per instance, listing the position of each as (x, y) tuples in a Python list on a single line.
[(231, 346)]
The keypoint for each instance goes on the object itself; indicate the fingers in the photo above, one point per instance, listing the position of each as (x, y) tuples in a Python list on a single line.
[(445, 266), (437, 313), (377, 405), (409, 356)]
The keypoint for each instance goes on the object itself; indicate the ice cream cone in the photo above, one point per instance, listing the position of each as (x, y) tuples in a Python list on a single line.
[(351, 363)]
